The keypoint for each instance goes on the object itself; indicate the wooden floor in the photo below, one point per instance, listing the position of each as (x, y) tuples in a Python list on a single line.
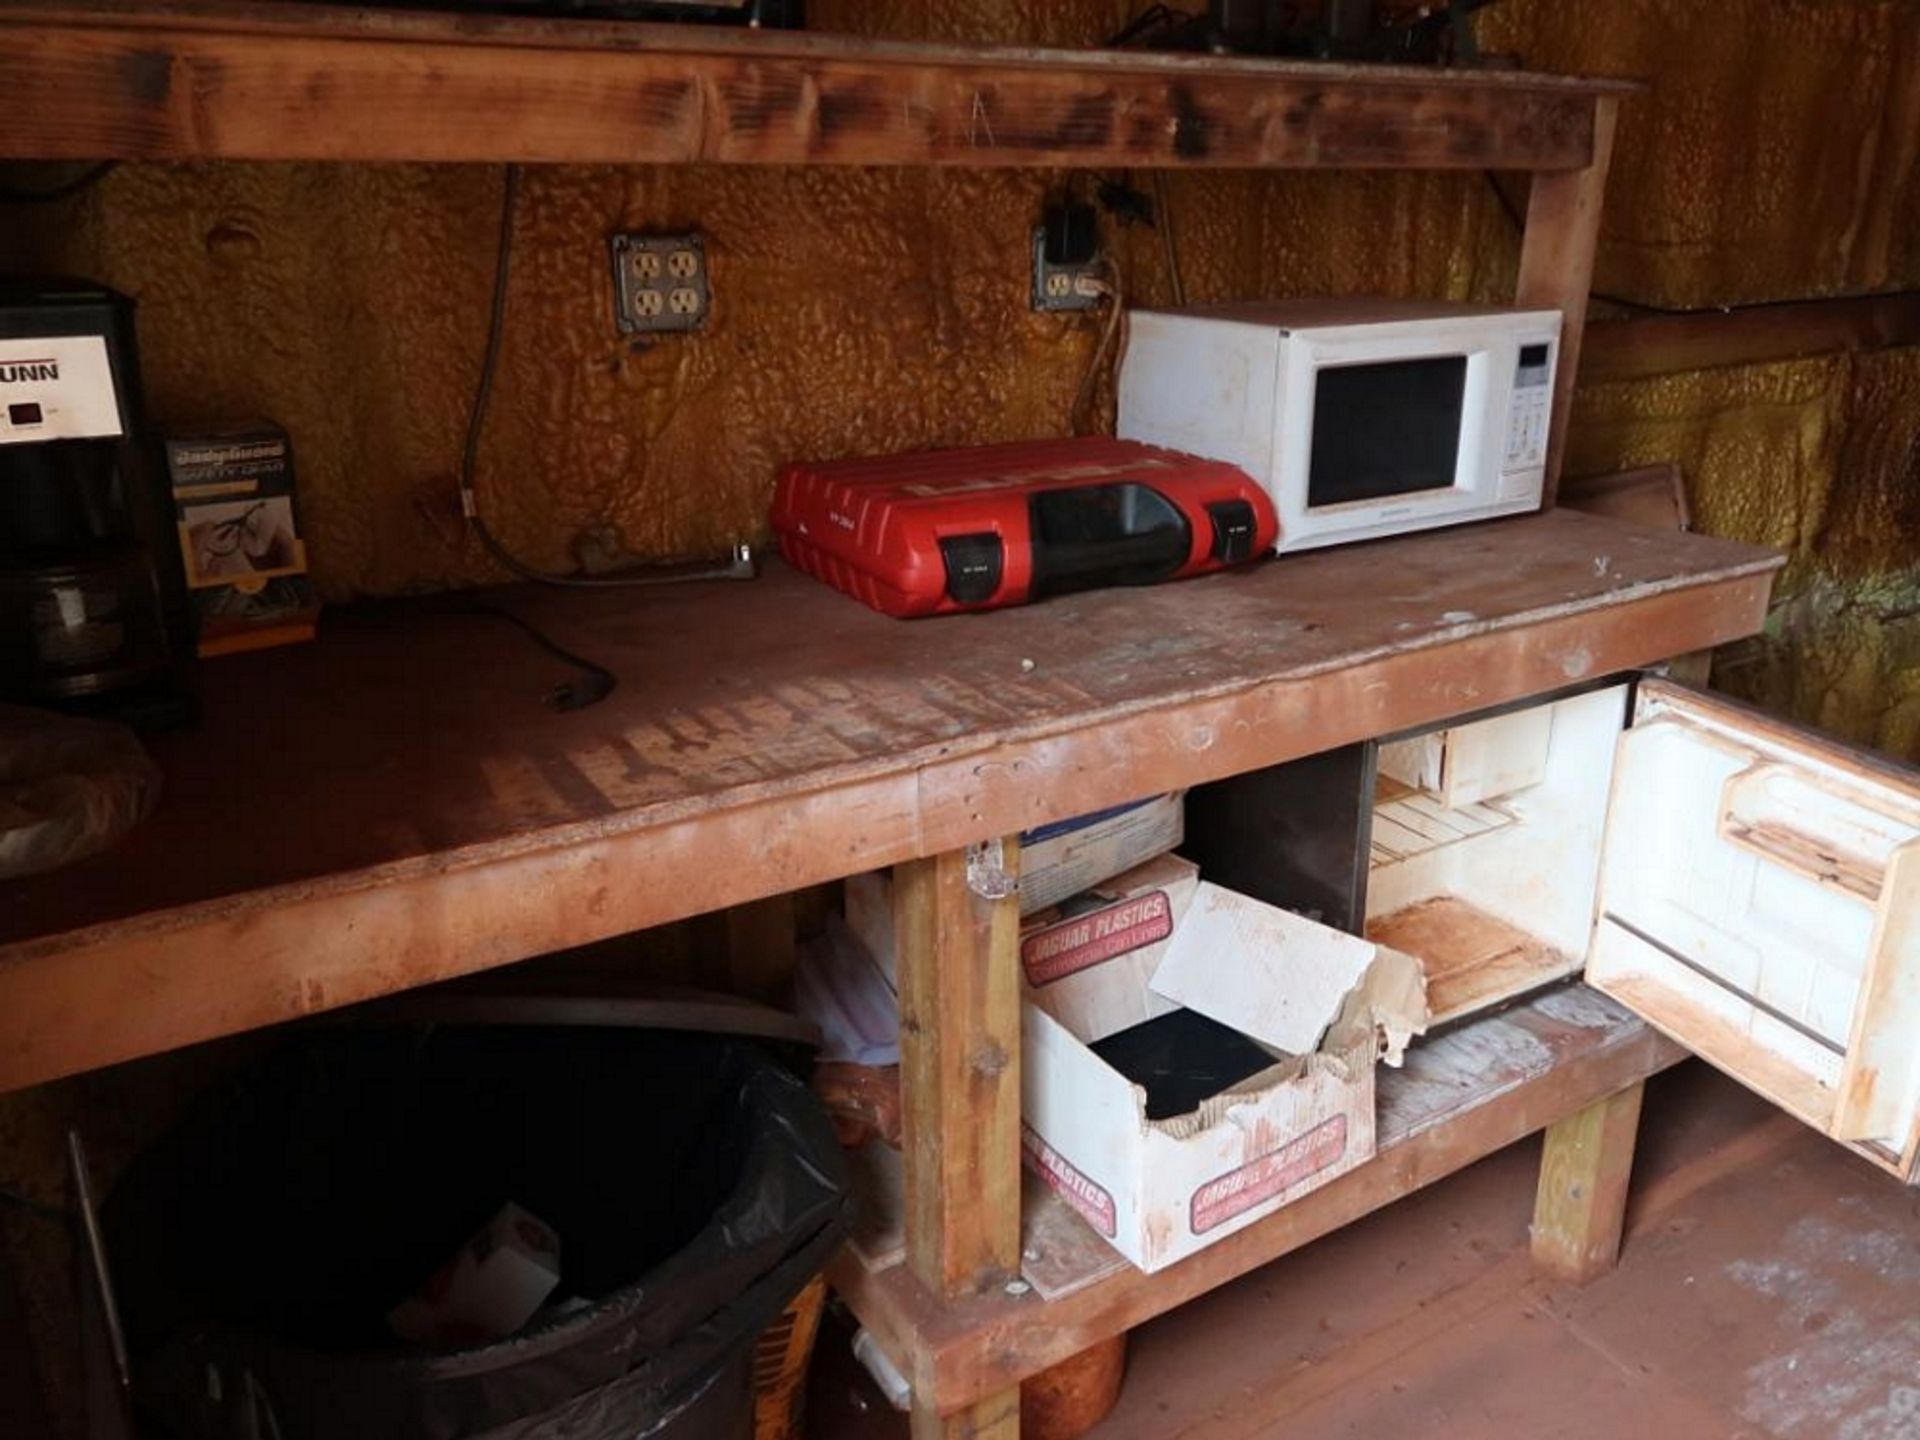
[(1770, 1290)]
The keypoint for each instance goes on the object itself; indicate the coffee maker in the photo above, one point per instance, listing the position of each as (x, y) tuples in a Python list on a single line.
[(93, 602)]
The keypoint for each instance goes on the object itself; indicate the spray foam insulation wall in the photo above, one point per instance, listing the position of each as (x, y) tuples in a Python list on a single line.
[(854, 310)]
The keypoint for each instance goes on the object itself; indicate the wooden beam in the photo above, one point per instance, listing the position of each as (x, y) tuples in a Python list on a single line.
[(762, 948), (1585, 1168), (1650, 495), (1645, 345), (1556, 266), (304, 82), (959, 1073)]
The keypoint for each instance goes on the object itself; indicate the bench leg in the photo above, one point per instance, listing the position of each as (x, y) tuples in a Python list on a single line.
[(1582, 1202), (995, 1418), (959, 965)]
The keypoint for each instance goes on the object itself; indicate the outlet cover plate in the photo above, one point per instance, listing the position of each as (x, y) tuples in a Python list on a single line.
[(1062, 287), (659, 282)]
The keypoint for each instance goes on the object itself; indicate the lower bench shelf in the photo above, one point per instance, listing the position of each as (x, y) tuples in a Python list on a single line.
[(1458, 1098)]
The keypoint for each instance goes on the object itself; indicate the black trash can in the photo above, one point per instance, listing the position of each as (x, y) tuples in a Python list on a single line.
[(694, 1183)]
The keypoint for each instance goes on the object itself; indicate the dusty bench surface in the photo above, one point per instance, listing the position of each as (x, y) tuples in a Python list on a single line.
[(394, 804)]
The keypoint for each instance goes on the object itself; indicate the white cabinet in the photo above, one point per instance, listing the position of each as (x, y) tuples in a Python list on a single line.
[(1751, 889)]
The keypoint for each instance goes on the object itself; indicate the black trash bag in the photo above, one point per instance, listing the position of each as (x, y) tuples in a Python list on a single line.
[(695, 1185)]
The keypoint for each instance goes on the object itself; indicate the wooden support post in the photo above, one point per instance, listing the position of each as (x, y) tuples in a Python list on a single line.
[(761, 949), (995, 1418), (959, 1073), (960, 1098), (1556, 265), (1647, 345), (1694, 668), (1582, 1203)]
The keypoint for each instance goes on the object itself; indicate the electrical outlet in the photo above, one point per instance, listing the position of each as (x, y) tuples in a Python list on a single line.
[(1063, 287), (659, 282)]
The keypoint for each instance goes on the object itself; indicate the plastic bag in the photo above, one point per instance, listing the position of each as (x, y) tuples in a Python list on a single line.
[(695, 1184), (68, 788)]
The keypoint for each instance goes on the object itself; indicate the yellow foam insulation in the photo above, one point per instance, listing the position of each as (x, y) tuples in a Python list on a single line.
[(1820, 458), (1772, 155)]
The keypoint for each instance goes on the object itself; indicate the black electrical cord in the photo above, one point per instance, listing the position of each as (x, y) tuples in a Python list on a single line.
[(741, 565), (483, 393), (65, 190), (483, 396), (1149, 21), (14, 1196), (594, 683)]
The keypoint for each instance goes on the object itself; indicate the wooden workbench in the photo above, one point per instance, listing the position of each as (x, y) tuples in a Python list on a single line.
[(394, 805)]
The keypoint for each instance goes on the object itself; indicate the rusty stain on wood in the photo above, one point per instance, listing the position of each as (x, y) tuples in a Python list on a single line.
[(1472, 959)]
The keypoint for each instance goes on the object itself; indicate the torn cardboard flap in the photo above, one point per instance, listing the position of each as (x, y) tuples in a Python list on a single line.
[(1281, 978), (1390, 1001), (1231, 1102), (1322, 1003), (1088, 963)]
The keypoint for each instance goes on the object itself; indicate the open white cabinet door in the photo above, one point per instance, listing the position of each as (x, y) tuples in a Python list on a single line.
[(1759, 902)]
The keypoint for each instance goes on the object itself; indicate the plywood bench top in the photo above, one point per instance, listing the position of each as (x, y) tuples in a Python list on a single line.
[(393, 804)]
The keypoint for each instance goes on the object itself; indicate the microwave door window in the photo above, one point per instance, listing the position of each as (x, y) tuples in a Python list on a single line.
[(1386, 429)]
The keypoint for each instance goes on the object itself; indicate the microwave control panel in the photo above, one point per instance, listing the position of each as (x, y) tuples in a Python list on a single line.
[(1531, 409)]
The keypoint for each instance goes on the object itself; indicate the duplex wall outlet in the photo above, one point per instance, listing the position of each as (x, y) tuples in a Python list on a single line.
[(1063, 287), (659, 282)]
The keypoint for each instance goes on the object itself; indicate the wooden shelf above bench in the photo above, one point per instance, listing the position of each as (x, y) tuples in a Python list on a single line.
[(143, 81)]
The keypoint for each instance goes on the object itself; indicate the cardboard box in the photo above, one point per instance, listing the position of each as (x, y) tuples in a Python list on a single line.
[(1156, 939), (1061, 860), (1326, 1005), (239, 536)]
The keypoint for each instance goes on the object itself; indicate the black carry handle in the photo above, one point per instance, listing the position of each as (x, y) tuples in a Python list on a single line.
[(1094, 535)]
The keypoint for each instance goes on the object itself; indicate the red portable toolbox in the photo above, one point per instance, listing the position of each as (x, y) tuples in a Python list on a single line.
[(992, 525)]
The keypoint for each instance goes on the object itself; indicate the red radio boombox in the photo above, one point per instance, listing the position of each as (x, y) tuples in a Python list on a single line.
[(992, 525)]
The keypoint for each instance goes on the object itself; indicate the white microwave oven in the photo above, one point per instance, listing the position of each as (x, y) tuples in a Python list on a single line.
[(1360, 418)]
